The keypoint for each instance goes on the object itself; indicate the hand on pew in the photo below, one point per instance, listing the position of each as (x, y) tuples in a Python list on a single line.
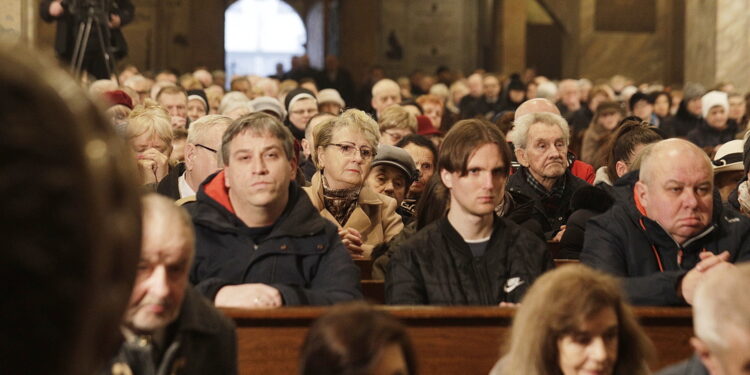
[(352, 239), (710, 262), (509, 304), (248, 296)]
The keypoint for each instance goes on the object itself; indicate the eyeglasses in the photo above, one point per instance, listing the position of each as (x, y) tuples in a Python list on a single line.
[(348, 150), (206, 147)]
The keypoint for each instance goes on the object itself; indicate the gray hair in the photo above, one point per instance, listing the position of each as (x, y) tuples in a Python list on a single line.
[(521, 127), (721, 305), (199, 128), (159, 211)]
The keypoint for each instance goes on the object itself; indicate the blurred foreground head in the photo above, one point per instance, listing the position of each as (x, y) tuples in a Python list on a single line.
[(70, 222)]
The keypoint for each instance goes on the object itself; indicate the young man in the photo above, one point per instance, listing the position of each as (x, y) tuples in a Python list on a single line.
[(260, 243), (469, 257)]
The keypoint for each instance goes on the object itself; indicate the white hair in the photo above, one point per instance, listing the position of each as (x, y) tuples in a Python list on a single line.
[(384, 84), (521, 127), (547, 90), (231, 99), (199, 128)]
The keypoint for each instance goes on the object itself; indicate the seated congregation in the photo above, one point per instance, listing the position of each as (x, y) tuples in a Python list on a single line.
[(174, 211)]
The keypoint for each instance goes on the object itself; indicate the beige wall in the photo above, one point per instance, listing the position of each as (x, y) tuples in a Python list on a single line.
[(18, 20)]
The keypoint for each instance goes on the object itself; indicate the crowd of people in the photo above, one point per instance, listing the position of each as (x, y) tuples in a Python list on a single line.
[(260, 192)]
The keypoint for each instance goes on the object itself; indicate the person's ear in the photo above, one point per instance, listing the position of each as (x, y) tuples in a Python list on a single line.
[(708, 359), (321, 161), (190, 150), (447, 178), (641, 192), (621, 168), (521, 157)]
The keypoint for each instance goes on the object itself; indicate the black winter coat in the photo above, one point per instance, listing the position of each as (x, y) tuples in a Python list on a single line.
[(617, 244), (517, 185), (706, 136), (436, 267), (302, 256)]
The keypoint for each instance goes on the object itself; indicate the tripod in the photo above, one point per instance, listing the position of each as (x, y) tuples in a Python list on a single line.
[(93, 19)]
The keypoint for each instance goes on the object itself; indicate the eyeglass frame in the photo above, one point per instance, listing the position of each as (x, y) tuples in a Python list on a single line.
[(341, 146), (206, 147)]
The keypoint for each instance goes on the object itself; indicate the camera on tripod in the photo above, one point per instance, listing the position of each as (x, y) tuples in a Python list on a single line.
[(93, 16)]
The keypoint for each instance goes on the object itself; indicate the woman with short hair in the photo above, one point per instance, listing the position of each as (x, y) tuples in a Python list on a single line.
[(575, 320), (344, 149)]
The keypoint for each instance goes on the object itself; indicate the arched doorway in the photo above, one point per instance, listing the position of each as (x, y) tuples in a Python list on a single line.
[(259, 34)]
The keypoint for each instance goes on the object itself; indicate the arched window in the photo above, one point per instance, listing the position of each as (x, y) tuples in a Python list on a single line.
[(259, 34)]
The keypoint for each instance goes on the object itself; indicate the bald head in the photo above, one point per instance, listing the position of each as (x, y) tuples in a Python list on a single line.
[(675, 188), (672, 153), (536, 106)]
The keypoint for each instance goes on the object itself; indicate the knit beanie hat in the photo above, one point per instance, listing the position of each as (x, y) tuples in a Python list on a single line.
[(713, 99)]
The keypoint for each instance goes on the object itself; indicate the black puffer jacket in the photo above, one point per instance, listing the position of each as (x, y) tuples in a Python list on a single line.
[(617, 244), (302, 256), (518, 185), (436, 267)]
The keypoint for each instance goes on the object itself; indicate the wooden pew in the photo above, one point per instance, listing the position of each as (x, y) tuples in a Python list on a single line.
[(447, 340)]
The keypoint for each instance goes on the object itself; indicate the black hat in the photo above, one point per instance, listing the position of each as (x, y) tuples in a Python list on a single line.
[(398, 158)]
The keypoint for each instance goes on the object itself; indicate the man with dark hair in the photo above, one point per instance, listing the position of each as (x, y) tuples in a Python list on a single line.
[(260, 243), (471, 256), (424, 154)]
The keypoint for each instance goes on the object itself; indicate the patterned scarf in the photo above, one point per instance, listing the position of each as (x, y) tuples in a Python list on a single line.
[(551, 199), (340, 203)]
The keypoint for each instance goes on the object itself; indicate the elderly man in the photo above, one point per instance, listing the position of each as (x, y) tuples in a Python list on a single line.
[(391, 173), (385, 93), (169, 327), (722, 328), (541, 147), (570, 97), (260, 242), (201, 158), (672, 231), (174, 100)]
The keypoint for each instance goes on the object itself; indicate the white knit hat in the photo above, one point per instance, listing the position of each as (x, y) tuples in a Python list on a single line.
[(713, 99)]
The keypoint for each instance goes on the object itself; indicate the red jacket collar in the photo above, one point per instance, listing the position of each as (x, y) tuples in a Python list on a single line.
[(217, 190)]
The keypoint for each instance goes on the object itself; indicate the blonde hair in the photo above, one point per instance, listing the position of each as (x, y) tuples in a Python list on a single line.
[(150, 118), (558, 303), (355, 118), (396, 117)]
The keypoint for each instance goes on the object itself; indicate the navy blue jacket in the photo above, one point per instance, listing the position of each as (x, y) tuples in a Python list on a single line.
[(302, 255)]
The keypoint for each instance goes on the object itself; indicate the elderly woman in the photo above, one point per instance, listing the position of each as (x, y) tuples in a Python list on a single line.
[(344, 149), (606, 119), (574, 320), (149, 134)]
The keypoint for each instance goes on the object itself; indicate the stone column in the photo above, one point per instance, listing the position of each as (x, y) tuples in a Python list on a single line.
[(717, 42), (18, 21), (510, 40)]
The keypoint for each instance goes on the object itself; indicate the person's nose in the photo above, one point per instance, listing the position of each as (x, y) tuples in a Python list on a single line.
[(258, 165), (158, 284), (597, 349), (689, 198), (388, 188)]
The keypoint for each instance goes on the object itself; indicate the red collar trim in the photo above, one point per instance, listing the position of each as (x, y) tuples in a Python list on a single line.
[(217, 190)]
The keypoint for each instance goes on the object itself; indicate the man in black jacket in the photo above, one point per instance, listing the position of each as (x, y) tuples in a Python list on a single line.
[(470, 257), (541, 145), (168, 327), (672, 231), (260, 243), (121, 13)]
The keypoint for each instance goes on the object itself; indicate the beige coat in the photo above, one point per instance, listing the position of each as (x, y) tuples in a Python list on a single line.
[(374, 217)]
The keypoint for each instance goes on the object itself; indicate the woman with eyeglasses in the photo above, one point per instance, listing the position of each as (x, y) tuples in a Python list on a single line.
[(344, 149)]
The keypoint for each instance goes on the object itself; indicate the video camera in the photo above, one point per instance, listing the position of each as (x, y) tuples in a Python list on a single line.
[(99, 9)]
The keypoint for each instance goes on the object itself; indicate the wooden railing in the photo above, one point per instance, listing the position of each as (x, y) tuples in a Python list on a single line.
[(447, 340)]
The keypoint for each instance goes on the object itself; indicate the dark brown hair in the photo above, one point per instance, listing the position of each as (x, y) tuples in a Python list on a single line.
[(71, 222), (349, 338), (628, 135), (463, 140)]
